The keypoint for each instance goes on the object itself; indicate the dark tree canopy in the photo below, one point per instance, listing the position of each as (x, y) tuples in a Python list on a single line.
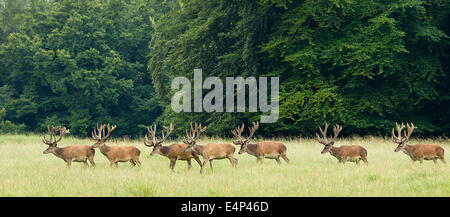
[(362, 64)]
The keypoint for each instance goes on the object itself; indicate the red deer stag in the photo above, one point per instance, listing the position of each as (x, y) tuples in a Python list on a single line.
[(210, 151), (81, 153), (417, 152), (115, 154), (352, 153), (262, 149), (174, 152)]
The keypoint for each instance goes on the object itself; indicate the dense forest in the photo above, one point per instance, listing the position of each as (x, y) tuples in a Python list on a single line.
[(363, 64)]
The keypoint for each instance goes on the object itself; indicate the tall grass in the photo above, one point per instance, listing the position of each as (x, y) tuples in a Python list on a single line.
[(26, 171)]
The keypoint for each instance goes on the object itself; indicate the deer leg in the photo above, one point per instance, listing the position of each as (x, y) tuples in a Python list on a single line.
[(117, 164), (420, 157), (91, 160), (197, 159), (231, 160), (441, 156), (211, 165), (260, 159), (132, 163), (69, 162), (235, 162), (172, 164), (189, 164), (434, 161), (365, 161), (86, 165), (111, 163), (138, 162), (285, 157), (203, 165), (357, 162), (278, 160)]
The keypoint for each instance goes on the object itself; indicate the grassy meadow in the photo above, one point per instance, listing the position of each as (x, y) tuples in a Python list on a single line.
[(26, 171)]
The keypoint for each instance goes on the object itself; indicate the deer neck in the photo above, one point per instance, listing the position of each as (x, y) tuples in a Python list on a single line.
[(198, 149), (59, 152), (104, 149), (251, 149), (164, 151), (334, 151), (409, 149)]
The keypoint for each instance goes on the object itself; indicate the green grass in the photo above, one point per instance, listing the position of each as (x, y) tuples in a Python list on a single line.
[(26, 171)]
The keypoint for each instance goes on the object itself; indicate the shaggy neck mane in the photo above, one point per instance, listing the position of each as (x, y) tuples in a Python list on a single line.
[(59, 152), (198, 149), (164, 150), (409, 148), (104, 149), (251, 148)]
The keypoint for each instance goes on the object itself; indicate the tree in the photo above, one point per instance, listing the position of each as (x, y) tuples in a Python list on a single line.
[(83, 62)]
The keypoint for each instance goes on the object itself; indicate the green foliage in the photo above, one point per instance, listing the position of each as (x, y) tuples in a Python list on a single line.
[(6, 126), (363, 64), (80, 63), (11, 128)]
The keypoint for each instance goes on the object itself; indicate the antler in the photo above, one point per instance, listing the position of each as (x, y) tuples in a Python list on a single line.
[(62, 131), (191, 134), (410, 130), (109, 130), (398, 138), (53, 141), (324, 135), (168, 131), (336, 129), (195, 132), (238, 131), (51, 133), (152, 132), (100, 134), (252, 129)]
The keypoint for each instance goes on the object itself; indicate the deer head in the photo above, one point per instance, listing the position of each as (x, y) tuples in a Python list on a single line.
[(243, 142), (402, 142), (155, 142), (195, 132), (53, 142), (324, 140), (99, 135)]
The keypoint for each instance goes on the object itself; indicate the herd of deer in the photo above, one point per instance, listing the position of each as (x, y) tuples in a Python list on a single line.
[(214, 151)]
